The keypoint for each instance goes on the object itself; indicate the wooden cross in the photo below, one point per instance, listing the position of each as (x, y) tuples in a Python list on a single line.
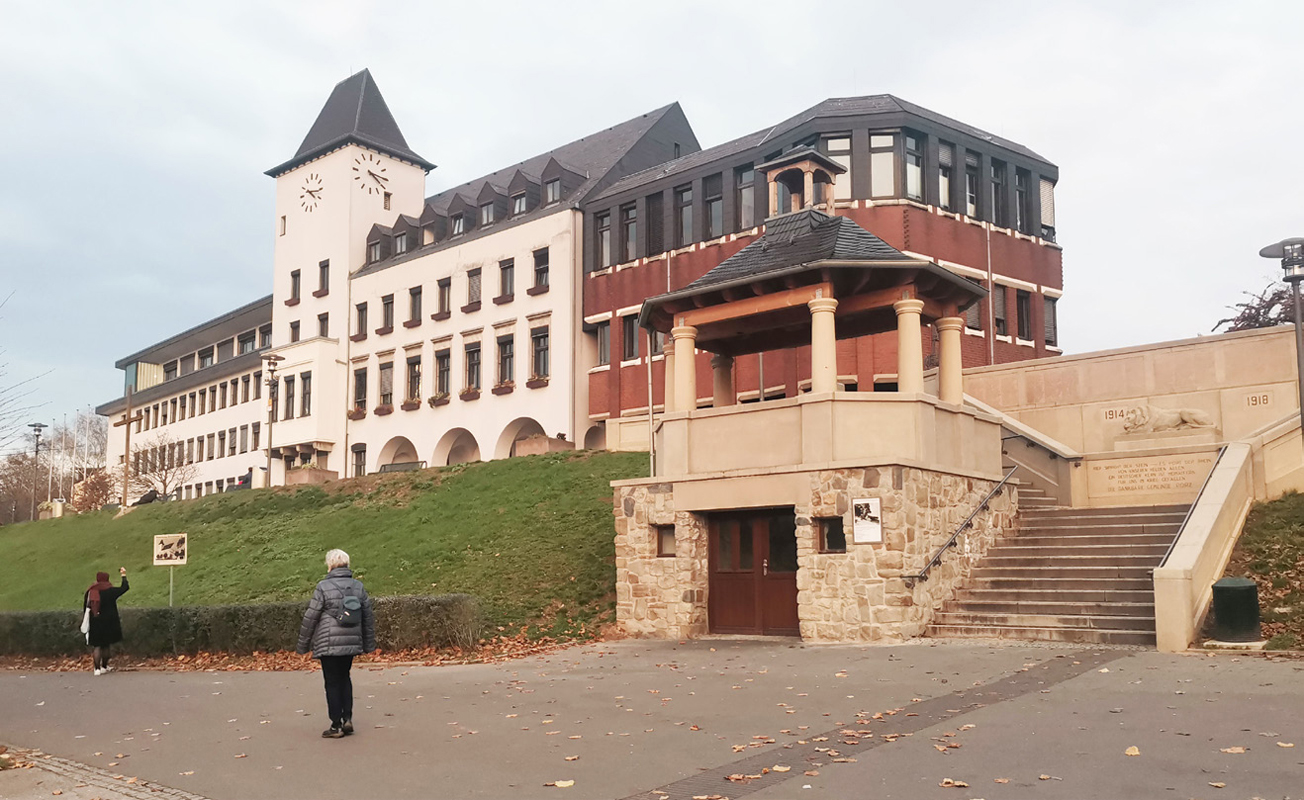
[(126, 420)]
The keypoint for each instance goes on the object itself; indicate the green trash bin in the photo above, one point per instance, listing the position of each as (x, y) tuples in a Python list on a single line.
[(1236, 610)]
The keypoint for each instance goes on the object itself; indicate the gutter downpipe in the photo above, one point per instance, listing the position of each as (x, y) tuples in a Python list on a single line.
[(991, 304)]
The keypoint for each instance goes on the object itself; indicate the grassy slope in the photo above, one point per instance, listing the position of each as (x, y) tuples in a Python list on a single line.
[(1271, 551), (526, 535)]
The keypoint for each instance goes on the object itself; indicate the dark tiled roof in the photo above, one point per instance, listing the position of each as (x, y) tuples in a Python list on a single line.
[(793, 240), (832, 107), (355, 112)]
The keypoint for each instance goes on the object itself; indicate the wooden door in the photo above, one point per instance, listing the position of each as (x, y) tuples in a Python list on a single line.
[(753, 572)]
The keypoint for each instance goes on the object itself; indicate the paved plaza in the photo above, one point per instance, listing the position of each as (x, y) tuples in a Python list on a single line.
[(669, 720)]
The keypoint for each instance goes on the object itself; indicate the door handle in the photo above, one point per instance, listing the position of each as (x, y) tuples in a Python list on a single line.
[(765, 566)]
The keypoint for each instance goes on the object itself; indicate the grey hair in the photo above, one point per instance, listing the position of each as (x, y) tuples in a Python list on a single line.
[(336, 559)]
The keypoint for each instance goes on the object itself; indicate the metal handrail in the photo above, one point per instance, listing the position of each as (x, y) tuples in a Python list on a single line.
[(936, 560), (1221, 451)]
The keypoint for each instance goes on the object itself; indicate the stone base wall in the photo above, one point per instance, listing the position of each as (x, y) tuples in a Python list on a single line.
[(856, 596)]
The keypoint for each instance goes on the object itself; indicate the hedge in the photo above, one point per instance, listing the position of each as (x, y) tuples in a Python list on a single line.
[(401, 623)]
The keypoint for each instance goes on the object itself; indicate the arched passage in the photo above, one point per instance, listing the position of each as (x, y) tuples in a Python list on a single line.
[(596, 438), (516, 430), (398, 450), (456, 447)]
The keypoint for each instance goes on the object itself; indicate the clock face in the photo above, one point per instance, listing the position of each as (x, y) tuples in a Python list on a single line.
[(310, 192), (369, 173)]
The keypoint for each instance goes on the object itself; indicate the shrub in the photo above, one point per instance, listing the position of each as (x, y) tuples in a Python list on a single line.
[(401, 623)]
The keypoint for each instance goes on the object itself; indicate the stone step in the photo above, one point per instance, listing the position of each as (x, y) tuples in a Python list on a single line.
[(1094, 621), (1017, 605), (1176, 512), (1101, 529), (1010, 585), (1016, 548), (1056, 560), (1039, 573), (1091, 635), (1070, 539)]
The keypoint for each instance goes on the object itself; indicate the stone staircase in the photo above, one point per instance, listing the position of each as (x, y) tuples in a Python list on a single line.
[(1066, 575)]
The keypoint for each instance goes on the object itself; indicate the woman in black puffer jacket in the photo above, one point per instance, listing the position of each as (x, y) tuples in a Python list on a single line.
[(337, 629)]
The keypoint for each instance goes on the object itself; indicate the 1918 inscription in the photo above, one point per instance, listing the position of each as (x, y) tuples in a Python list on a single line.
[(1177, 474)]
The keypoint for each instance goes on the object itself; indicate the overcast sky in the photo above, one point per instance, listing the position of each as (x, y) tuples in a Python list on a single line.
[(135, 134)]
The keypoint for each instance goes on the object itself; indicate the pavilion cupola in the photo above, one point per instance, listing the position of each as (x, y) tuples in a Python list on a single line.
[(808, 176)]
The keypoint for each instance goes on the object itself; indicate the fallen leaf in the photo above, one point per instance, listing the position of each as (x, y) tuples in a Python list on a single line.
[(1043, 777), (811, 773), (241, 755), (1218, 784), (1004, 780), (1132, 751), (1285, 744), (1237, 749), (780, 768), (57, 791), (560, 784), (572, 758), (957, 784), (189, 772)]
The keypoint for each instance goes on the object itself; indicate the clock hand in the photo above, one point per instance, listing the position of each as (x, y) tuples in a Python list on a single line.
[(378, 178)]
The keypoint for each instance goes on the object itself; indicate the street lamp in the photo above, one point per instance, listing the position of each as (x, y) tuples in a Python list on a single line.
[(36, 427), (272, 361), (1291, 253)]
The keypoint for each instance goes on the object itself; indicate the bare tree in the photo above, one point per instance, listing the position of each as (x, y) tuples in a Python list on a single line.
[(1270, 307), (19, 475), (161, 464), (16, 402)]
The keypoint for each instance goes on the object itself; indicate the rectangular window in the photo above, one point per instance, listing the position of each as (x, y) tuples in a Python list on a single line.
[(255, 429), (258, 385), (265, 337), (745, 183), (628, 232), (190, 451), (518, 204), (457, 224), (658, 343), (361, 309), (629, 337), (507, 278), (656, 224), (683, 216), (400, 243), (602, 238), (999, 216), (552, 191), (221, 444), (1051, 322), (305, 394), (230, 442), (374, 252), (194, 409), (324, 277), (838, 148), (443, 372), (998, 309), (665, 538), (973, 317), (289, 397), (473, 365), (246, 343), (206, 358), (199, 448), (387, 312), (882, 165), (359, 461), (486, 214), (294, 331), (282, 224), (244, 394), (221, 404), (1047, 192), (414, 304), (414, 379), (244, 438), (473, 287), (713, 196), (833, 537), (971, 185), (539, 367), (945, 163), (1023, 308), (604, 342), (1022, 211), (914, 166), (387, 383), (506, 359), (323, 325), (541, 267), (203, 403), (445, 286), (360, 388), (294, 285), (388, 198)]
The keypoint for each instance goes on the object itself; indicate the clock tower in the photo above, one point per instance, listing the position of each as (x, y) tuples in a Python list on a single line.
[(353, 170)]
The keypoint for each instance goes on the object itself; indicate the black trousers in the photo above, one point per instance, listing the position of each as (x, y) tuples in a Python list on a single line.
[(339, 687), (100, 656)]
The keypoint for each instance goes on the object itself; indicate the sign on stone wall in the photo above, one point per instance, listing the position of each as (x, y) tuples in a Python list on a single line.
[(867, 527), (1181, 474)]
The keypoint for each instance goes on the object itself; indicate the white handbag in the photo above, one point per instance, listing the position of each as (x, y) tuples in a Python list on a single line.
[(86, 624)]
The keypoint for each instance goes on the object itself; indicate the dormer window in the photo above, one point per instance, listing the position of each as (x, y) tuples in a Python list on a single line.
[(552, 191), (400, 244), (486, 214), (457, 225), (373, 252), (518, 204)]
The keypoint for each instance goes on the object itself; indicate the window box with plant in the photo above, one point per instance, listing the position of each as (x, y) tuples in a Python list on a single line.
[(438, 399), (469, 394), (506, 387), (537, 382), (357, 414), (411, 404), (440, 316), (384, 409)]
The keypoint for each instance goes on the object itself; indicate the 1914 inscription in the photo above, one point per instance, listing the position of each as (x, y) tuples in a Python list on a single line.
[(1176, 474)]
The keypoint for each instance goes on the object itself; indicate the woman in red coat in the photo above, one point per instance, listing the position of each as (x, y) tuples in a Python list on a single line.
[(101, 600)]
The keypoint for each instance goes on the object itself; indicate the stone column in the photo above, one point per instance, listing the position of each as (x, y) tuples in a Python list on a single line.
[(824, 345), (774, 196), (722, 385), (809, 189), (950, 381), (910, 350), (669, 364), (685, 367)]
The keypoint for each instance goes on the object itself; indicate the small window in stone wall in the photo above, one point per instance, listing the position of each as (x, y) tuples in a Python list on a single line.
[(665, 536), (833, 539)]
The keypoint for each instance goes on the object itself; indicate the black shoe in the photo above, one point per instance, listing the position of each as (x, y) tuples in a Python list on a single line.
[(333, 732), (347, 727)]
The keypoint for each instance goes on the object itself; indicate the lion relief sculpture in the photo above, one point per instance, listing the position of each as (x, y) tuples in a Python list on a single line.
[(1148, 419)]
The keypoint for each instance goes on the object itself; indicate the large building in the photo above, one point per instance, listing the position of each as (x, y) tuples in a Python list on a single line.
[(409, 329)]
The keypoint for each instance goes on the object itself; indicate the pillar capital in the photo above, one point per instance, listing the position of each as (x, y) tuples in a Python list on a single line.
[(721, 362), (909, 306), (686, 332), (822, 304), (950, 324)]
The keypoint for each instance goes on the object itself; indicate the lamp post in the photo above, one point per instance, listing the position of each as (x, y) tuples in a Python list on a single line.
[(1291, 253), (36, 427), (272, 360)]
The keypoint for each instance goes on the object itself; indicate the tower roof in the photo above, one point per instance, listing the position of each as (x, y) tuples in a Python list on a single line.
[(355, 113)]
